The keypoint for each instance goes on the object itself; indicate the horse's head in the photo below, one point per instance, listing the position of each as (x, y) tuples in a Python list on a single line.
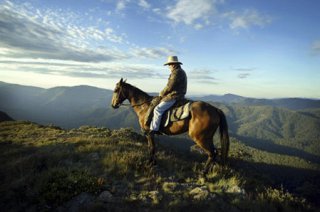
[(118, 94)]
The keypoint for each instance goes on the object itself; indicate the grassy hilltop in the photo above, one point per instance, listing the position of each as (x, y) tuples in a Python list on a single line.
[(92, 169)]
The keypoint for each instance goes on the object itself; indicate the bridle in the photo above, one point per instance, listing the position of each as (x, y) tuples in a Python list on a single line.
[(120, 95)]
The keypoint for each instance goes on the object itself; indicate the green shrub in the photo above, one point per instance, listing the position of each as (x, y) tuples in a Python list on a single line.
[(59, 185)]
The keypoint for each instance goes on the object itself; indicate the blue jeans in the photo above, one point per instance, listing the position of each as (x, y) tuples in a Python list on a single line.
[(157, 114)]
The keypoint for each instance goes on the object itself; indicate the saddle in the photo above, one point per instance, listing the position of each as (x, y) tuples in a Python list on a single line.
[(179, 111)]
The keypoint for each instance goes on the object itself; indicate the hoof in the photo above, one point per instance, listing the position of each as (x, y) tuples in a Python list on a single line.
[(203, 174), (208, 168), (152, 162)]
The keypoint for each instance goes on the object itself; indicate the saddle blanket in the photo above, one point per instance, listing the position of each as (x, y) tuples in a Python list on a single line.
[(176, 114)]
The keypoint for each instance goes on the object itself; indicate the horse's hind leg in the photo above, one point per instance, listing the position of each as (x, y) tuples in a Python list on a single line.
[(211, 152), (207, 145)]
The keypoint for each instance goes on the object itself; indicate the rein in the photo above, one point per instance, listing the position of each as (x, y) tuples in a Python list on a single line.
[(136, 105)]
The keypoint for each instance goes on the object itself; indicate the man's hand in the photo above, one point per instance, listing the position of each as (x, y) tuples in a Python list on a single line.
[(156, 100)]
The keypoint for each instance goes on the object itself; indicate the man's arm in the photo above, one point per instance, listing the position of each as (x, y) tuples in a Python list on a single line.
[(169, 87)]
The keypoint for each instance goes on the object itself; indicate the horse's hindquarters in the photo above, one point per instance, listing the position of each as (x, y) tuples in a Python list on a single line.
[(204, 120)]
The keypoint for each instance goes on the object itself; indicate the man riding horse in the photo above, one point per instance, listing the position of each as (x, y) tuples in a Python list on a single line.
[(175, 90), (201, 123)]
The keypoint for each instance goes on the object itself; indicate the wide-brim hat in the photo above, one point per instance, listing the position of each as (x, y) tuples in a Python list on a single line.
[(172, 60)]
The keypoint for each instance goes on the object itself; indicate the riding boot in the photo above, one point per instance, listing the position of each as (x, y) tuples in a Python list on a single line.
[(152, 133)]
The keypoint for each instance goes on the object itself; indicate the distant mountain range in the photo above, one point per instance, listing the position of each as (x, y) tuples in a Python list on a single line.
[(266, 123), (290, 103), (5, 117), (63, 106)]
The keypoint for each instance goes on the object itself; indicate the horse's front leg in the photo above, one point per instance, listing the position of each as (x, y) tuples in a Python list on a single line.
[(152, 149)]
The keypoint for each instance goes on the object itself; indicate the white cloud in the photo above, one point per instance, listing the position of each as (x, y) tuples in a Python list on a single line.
[(246, 19), (153, 53), (243, 75), (121, 4), (157, 11), (245, 71), (198, 26), (81, 69), (316, 46), (49, 42), (190, 12), (249, 69), (202, 76), (204, 13), (30, 33), (144, 4)]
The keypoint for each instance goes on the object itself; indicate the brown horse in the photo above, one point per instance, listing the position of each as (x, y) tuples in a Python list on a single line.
[(202, 124)]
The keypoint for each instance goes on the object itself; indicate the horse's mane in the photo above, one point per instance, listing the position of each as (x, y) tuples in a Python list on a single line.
[(137, 91)]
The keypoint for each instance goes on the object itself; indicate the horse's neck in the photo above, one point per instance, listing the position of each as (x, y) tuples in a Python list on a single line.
[(139, 100)]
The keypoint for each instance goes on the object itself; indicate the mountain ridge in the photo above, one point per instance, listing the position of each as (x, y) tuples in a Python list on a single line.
[(287, 102), (5, 117)]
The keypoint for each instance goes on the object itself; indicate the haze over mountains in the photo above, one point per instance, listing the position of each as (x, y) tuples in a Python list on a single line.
[(290, 103), (265, 123)]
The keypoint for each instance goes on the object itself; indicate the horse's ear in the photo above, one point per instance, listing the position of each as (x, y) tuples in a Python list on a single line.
[(125, 80), (121, 80)]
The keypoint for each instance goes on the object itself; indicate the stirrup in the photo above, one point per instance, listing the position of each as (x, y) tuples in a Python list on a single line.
[(148, 132), (215, 153), (151, 132)]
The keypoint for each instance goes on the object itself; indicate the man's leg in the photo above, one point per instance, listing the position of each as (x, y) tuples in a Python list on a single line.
[(157, 114), (148, 117)]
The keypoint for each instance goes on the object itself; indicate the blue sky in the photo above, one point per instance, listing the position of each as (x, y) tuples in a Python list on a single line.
[(252, 48)]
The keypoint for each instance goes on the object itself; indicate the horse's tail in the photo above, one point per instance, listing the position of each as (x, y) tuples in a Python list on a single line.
[(224, 136)]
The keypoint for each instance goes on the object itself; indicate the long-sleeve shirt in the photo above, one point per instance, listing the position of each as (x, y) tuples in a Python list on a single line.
[(176, 87)]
